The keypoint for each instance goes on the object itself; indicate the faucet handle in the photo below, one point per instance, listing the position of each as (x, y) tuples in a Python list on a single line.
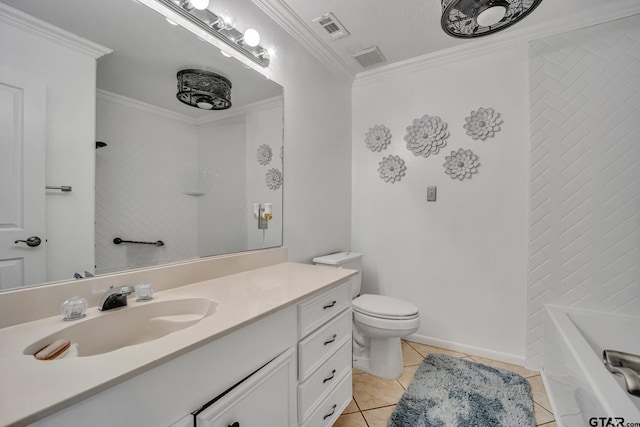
[(144, 292), (74, 308)]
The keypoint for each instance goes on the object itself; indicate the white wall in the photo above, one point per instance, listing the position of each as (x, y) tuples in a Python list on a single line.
[(233, 180), (463, 259), (141, 176), (584, 223), (69, 77), (264, 127), (317, 117), (222, 211)]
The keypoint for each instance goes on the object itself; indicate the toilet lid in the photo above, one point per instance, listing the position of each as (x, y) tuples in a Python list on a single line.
[(383, 306)]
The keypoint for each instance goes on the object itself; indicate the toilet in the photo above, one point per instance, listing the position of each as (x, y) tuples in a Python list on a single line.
[(379, 322)]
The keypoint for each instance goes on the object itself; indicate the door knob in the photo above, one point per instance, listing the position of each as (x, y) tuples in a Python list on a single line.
[(32, 241)]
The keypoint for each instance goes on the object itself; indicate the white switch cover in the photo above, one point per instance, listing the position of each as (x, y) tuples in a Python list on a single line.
[(431, 194)]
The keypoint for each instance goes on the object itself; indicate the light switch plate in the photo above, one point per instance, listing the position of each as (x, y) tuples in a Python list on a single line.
[(431, 194)]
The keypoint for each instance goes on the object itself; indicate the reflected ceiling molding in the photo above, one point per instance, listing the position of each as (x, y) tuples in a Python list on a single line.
[(215, 25), (143, 106), (265, 104), (40, 28), (286, 18)]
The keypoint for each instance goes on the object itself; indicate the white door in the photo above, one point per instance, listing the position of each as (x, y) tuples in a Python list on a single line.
[(22, 180)]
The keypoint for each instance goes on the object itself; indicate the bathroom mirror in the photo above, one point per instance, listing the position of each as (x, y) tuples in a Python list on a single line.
[(181, 181)]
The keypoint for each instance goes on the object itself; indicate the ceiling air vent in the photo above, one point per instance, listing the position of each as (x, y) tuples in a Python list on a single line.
[(332, 26), (369, 57)]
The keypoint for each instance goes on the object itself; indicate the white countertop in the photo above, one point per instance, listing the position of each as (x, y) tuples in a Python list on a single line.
[(31, 389)]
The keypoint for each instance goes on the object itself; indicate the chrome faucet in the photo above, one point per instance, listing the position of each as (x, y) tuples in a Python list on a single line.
[(115, 297)]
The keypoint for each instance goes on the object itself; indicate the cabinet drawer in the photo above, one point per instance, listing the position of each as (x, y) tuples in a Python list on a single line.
[(264, 399), (328, 411), (317, 310), (322, 382), (314, 350)]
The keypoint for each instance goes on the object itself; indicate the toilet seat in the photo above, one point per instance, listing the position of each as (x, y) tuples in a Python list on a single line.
[(384, 307), (376, 326)]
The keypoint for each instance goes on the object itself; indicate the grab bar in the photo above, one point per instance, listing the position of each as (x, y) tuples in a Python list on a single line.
[(118, 240), (63, 188)]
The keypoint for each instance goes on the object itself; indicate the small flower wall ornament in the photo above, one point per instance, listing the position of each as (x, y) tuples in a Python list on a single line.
[(274, 179), (483, 123), (426, 136), (461, 164), (264, 154), (378, 138), (392, 169)]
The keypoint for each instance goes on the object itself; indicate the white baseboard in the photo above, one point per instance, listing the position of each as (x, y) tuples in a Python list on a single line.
[(468, 349)]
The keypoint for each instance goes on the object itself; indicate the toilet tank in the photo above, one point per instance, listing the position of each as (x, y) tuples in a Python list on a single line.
[(351, 260)]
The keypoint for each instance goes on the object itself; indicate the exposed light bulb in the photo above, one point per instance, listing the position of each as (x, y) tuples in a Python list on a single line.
[(491, 16), (225, 54), (204, 105), (199, 4), (226, 21), (251, 37)]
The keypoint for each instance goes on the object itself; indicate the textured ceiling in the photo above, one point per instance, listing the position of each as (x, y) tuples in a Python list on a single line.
[(405, 29)]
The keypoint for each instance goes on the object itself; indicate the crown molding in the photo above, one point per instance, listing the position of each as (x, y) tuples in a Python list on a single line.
[(291, 22), (265, 104), (25, 22), (143, 106), (504, 40)]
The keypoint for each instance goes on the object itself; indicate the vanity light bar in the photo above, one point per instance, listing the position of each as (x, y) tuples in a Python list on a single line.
[(207, 20)]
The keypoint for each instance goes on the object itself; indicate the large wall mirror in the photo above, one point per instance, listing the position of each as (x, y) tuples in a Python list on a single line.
[(156, 170)]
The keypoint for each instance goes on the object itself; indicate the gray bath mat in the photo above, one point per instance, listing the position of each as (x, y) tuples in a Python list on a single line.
[(450, 392)]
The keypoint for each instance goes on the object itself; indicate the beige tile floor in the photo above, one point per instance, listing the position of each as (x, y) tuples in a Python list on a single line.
[(374, 398)]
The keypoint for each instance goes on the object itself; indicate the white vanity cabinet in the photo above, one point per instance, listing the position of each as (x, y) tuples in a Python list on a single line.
[(324, 356), (264, 351), (290, 368), (266, 398)]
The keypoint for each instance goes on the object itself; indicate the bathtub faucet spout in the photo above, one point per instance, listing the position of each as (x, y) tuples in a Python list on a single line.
[(625, 364)]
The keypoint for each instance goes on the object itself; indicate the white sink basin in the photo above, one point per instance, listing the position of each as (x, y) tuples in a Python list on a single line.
[(143, 322)]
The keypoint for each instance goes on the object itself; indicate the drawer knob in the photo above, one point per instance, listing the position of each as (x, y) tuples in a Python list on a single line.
[(333, 374), (333, 410), (329, 305), (332, 339), (236, 424)]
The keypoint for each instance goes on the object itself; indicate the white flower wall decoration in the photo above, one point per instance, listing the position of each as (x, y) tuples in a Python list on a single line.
[(483, 124), (274, 179), (378, 138), (461, 164), (392, 169), (426, 136), (264, 154)]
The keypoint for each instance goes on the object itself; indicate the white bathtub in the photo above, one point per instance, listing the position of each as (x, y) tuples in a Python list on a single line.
[(578, 384)]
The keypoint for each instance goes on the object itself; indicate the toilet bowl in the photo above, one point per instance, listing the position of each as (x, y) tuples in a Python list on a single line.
[(379, 322)]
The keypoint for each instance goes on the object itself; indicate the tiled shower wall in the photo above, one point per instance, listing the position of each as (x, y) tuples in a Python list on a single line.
[(140, 178), (584, 237)]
